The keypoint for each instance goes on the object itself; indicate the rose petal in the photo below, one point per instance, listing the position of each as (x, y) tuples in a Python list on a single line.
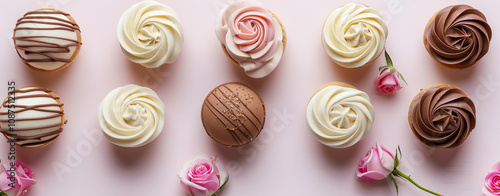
[(201, 176), (23, 179), (386, 158), (371, 176), (223, 175), (386, 82), (4, 181)]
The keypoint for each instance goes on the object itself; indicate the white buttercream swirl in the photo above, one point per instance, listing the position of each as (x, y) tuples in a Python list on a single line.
[(131, 116), (339, 117), (150, 34), (251, 36), (354, 35)]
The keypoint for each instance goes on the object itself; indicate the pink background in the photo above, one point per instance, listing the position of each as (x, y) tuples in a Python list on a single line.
[(285, 159)]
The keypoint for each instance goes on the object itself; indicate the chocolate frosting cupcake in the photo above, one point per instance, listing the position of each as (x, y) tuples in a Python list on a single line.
[(457, 36), (442, 116)]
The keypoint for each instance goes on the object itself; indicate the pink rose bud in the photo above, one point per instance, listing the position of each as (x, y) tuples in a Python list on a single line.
[(376, 165), (203, 176), (388, 79), (386, 82), (492, 182), (15, 180)]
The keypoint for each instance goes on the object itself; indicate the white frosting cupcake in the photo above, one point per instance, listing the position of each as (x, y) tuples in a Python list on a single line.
[(33, 117), (150, 34), (340, 116), (131, 116), (354, 35), (47, 39)]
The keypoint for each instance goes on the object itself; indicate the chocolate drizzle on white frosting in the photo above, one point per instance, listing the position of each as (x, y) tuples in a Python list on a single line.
[(42, 36), (35, 108)]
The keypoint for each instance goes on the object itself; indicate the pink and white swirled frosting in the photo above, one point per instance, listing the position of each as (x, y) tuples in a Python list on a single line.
[(251, 37)]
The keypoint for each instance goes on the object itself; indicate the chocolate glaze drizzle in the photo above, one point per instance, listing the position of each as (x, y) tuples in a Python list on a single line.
[(37, 139), (233, 106), (39, 44)]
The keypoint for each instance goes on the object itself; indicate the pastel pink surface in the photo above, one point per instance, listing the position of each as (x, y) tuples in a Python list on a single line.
[(285, 154)]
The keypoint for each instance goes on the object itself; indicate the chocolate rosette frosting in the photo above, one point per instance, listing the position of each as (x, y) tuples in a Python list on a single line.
[(458, 36), (442, 116)]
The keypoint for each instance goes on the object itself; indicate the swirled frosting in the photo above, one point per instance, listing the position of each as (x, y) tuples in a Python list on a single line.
[(443, 116), (354, 35), (150, 34), (251, 36), (459, 35), (340, 116), (131, 116)]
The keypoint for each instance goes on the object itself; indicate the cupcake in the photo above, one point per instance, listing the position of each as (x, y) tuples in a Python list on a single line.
[(339, 115), (32, 117), (131, 116), (457, 36), (150, 34), (233, 114), (354, 35), (251, 37), (442, 116), (47, 39)]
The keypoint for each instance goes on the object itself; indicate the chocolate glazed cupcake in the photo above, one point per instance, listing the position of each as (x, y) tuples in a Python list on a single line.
[(457, 36), (233, 114), (442, 116)]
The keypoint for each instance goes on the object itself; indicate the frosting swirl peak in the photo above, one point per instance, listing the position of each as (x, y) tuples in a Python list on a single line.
[(340, 116), (354, 35), (131, 116), (458, 36), (150, 34), (442, 116)]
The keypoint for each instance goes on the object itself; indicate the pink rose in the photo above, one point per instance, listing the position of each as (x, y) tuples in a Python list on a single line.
[(379, 163), (376, 165), (386, 82), (16, 183), (203, 176), (492, 182)]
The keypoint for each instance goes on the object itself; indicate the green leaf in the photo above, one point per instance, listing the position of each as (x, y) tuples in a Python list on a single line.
[(402, 78), (388, 59), (395, 183), (223, 185), (3, 194), (397, 157), (393, 69)]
